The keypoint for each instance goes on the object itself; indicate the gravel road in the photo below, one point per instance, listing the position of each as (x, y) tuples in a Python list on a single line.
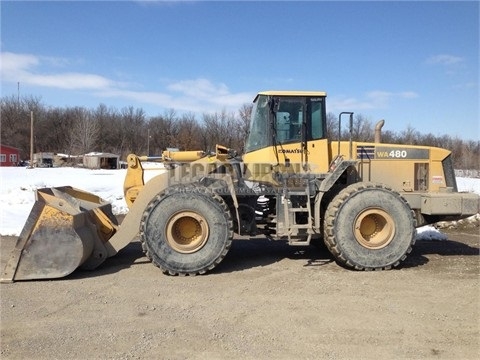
[(266, 300)]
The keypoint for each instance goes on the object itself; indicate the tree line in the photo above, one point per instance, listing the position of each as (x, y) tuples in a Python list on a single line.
[(79, 130)]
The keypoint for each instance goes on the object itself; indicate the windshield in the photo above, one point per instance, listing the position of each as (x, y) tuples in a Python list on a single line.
[(258, 136), (289, 118)]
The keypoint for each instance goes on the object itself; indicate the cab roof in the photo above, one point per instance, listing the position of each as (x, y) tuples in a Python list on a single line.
[(290, 93)]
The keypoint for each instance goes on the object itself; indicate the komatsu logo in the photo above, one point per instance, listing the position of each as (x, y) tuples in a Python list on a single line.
[(290, 151)]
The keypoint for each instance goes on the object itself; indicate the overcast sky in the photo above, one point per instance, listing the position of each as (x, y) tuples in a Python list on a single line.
[(414, 64)]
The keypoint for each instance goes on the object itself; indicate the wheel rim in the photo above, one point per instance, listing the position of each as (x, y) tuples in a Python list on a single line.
[(374, 228), (187, 232)]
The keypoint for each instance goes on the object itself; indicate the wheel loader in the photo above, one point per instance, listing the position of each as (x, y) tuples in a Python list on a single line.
[(363, 199)]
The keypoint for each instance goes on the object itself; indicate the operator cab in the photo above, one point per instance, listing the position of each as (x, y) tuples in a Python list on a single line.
[(286, 117)]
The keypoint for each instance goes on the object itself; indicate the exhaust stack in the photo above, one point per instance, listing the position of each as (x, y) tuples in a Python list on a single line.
[(378, 131)]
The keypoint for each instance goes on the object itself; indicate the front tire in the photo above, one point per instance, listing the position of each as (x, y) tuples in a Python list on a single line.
[(369, 227), (186, 230)]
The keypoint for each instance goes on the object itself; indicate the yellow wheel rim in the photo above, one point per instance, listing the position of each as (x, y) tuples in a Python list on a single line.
[(187, 232), (374, 228)]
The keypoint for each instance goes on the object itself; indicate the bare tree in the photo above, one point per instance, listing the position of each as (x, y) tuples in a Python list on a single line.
[(219, 128), (163, 131), (243, 126), (132, 124), (53, 129), (362, 129), (471, 153), (108, 120), (409, 136), (85, 131), (332, 126), (188, 133), (15, 121)]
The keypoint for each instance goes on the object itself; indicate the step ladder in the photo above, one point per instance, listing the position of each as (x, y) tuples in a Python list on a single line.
[(298, 234)]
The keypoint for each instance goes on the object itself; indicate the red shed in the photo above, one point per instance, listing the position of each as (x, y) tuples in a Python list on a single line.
[(9, 155)]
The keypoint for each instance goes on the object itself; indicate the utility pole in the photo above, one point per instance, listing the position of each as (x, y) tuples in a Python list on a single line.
[(31, 139), (148, 142)]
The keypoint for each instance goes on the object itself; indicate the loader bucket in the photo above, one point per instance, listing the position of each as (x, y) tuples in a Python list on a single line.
[(67, 228)]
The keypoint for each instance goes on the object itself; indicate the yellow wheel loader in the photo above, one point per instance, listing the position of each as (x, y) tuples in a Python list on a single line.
[(364, 200)]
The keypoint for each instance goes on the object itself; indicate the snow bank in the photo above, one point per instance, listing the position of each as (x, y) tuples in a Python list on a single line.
[(18, 185)]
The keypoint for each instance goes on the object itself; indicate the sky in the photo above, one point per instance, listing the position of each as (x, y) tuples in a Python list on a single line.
[(414, 64)]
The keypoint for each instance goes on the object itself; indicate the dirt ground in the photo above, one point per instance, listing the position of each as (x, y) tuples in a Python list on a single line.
[(264, 301)]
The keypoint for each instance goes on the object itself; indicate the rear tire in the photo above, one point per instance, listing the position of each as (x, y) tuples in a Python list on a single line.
[(186, 230), (369, 227)]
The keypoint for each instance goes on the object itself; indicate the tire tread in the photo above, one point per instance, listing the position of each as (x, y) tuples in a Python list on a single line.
[(184, 188), (331, 213)]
